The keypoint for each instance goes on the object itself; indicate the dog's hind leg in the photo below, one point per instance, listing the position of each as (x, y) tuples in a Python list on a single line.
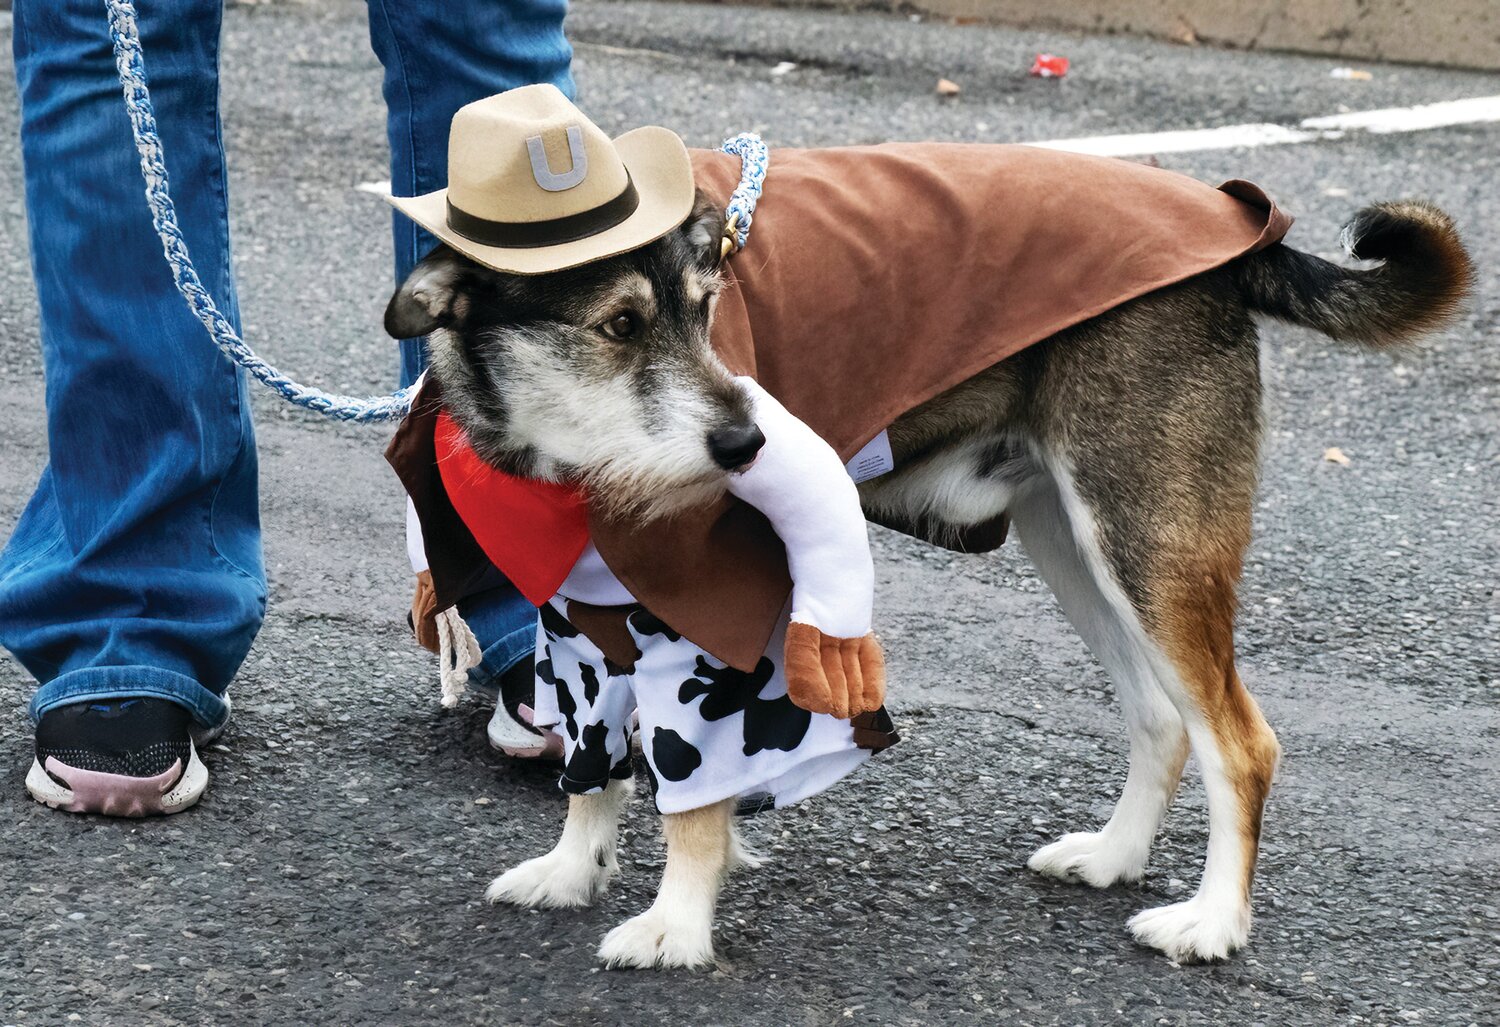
[(678, 928), (1175, 563), (1108, 625), (1193, 620), (576, 872)]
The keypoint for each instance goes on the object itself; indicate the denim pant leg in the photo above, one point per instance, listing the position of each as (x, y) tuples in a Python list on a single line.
[(136, 567), (437, 58)]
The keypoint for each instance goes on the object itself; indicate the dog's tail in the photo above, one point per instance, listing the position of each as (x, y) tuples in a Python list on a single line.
[(1424, 275)]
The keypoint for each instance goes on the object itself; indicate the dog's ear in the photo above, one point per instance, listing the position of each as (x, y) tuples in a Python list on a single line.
[(704, 229), (429, 298)]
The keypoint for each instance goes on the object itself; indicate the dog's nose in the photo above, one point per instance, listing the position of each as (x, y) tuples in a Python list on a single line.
[(735, 446)]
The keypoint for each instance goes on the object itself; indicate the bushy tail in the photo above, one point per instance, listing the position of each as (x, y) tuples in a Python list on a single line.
[(1423, 278)]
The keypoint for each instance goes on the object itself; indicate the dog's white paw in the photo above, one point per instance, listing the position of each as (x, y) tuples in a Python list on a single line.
[(556, 880), (1193, 931), (1087, 857), (660, 937)]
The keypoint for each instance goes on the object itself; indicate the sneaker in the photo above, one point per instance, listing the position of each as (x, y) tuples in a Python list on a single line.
[(119, 757), (510, 729)]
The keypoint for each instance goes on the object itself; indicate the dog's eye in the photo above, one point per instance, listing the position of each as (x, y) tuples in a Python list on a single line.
[(623, 325)]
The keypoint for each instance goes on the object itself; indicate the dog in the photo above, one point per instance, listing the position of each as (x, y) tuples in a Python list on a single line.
[(1125, 449)]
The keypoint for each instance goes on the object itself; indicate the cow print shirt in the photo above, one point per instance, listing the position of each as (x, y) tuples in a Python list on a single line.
[(708, 732)]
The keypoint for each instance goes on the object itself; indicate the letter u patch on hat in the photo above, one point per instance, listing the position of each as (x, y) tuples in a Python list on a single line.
[(542, 171)]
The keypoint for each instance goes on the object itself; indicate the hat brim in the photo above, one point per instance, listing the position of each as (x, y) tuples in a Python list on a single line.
[(659, 166)]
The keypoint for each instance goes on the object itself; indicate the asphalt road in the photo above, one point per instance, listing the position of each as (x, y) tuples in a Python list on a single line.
[(334, 872)]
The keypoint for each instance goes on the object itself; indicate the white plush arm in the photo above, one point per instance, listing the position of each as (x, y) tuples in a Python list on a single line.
[(802, 487), (800, 484)]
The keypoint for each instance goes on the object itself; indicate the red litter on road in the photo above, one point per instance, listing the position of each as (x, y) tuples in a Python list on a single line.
[(1049, 65)]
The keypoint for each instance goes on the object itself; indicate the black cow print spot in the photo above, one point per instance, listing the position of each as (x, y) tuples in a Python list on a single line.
[(769, 723), (568, 708), (614, 670), (590, 678), (726, 691), (555, 624), (775, 724), (544, 668), (647, 623), (547, 675), (589, 765), (674, 756)]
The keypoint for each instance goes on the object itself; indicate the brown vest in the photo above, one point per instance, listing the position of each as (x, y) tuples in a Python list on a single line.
[(874, 279)]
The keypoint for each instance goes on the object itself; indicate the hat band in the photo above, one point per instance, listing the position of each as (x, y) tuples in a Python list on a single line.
[(552, 232)]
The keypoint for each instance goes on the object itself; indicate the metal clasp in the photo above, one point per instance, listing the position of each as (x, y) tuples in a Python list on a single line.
[(730, 242)]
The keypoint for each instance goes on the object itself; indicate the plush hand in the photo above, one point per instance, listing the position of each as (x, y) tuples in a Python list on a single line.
[(841, 676), (833, 660), (424, 612)]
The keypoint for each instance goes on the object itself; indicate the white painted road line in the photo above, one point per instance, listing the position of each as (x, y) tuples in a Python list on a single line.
[(1227, 137), (1473, 111), (1414, 119)]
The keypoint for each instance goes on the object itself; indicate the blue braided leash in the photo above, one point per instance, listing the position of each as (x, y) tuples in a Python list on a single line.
[(755, 159), (131, 64)]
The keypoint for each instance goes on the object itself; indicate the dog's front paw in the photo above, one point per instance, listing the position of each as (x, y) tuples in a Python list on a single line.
[(1193, 931), (660, 937), (1087, 857), (557, 880)]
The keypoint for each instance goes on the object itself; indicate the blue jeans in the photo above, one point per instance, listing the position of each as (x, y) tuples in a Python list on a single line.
[(136, 567)]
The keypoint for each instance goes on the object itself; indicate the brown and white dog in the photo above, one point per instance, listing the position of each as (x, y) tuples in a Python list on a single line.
[(1125, 449)]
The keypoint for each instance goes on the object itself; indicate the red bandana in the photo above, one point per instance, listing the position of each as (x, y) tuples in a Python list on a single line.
[(533, 531)]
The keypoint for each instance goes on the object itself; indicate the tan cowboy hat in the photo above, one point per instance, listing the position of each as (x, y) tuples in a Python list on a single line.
[(534, 186)]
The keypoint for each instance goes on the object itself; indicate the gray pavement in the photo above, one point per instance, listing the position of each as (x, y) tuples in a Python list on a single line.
[(334, 872)]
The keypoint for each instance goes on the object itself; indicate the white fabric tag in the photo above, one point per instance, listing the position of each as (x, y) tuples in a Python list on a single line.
[(872, 461)]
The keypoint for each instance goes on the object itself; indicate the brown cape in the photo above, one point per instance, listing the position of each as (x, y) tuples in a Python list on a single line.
[(874, 279)]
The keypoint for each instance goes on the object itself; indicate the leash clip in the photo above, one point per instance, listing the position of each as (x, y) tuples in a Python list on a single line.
[(730, 243)]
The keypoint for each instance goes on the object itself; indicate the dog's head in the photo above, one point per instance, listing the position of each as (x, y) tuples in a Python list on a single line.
[(601, 374)]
